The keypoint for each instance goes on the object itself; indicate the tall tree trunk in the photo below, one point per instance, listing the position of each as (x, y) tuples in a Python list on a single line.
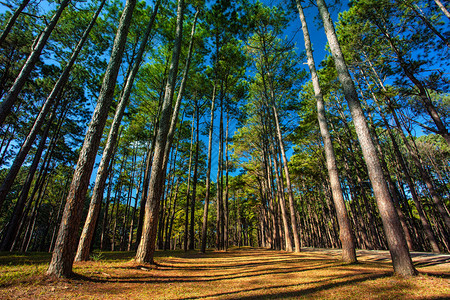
[(51, 101), (288, 182), (12, 20), (38, 46), (11, 228), (133, 215), (208, 174), (65, 247), (281, 200), (443, 8), (108, 197), (226, 212), (219, 183), (60, 210), (188, 191), (147, 245), (87, 234), (401, 258), (345, 230), (195, 178)]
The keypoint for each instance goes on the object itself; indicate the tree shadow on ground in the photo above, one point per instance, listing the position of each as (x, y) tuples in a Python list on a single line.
[(324, 285)]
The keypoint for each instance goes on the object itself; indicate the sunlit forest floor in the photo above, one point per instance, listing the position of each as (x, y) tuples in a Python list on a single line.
[(245, 273)]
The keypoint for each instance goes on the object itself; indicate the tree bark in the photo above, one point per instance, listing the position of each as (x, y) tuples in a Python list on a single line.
[(65, 247), (51, 102), (38, 46), (208, 174), (401, 258), (194, 179), (12, 20), (345, 231), (87, 234), (147, 245), (443, 8)]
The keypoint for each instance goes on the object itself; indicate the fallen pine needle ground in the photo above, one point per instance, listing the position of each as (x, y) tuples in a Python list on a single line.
[(240, 273)]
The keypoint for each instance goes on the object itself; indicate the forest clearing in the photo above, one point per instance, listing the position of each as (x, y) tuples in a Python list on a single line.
[(189, 149), (240, 273)]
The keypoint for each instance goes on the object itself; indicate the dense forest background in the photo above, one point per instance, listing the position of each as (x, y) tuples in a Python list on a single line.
[(210, 109)]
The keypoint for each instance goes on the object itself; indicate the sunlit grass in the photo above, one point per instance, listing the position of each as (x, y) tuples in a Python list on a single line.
[(236, 274)]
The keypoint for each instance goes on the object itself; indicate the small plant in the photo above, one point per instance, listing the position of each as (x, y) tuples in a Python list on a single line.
[(96, 256)]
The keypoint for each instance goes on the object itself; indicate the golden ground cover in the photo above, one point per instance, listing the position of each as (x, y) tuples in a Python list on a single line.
[(245, 273)]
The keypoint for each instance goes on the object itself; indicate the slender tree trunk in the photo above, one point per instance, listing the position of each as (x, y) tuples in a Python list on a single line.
[(65, 247), (60, 210), (226, 212), (172, 218), (208, 174), (188, 191), (401, 258), (133, 215), (38, 46), (281, 200), (108, 197), (194, 179), (51, 102), (147, 245), (443, 8), (219, 183), (12, 20), (87, 234), (288, 182), (11, 228), (345, 231)]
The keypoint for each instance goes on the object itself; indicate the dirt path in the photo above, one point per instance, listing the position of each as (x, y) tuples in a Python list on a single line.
[(245, 274), (421, 260)]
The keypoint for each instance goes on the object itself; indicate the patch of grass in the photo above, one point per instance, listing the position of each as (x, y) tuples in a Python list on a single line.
[(247, 273)]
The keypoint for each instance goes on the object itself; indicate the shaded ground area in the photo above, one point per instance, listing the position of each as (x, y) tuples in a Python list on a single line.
[(245, 273)]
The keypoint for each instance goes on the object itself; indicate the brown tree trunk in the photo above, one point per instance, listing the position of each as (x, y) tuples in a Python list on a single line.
[(12, 20), (38, 46), (147, 244), (208, 174), (87, 234), (281, 200), (65, 247), (345, 231), (401, 258), (194, 179), (188, 191)]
